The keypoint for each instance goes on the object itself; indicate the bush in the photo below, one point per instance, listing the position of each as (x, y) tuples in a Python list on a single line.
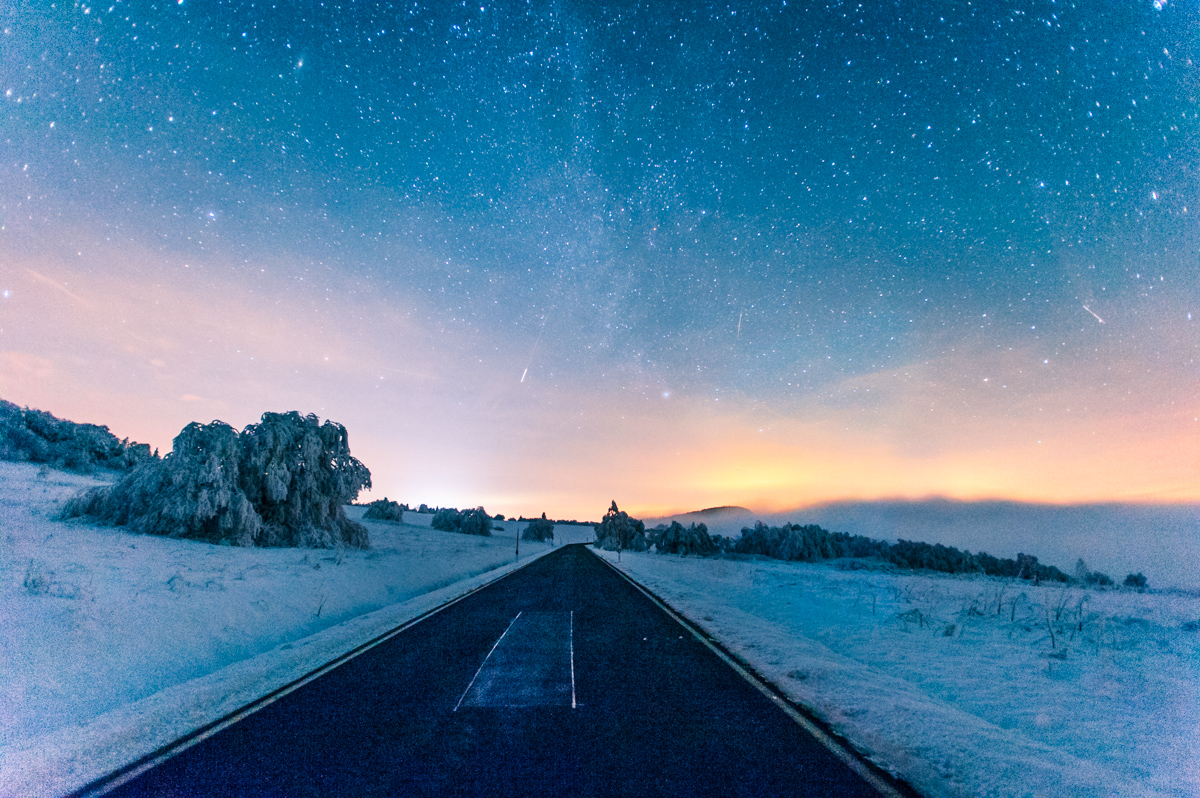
[(539, 529), (617, 531), (1137, 581), (676, 539), (384, 510), (476, 522), (467, 522), (281, 482), (36, 436), (1084, 576)]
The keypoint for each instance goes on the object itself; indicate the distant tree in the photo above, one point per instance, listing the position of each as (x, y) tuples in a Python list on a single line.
[(281, 482), (467, 522), (384, 510), (678, 539), (617, 531), (539, 529), (1084, 576), (476, 522), (498, 517), (1137, 581)]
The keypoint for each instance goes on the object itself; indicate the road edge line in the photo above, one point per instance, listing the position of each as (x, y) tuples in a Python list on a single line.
[(123, 775), (884, 782)]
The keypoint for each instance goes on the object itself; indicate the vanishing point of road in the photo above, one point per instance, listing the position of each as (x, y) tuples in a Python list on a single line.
[(561, 679)]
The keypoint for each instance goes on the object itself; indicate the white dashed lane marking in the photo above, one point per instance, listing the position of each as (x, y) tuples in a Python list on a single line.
[(531, 665)]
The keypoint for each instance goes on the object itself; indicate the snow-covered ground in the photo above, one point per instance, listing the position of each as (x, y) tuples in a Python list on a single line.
[(112, 643), (941, 680)]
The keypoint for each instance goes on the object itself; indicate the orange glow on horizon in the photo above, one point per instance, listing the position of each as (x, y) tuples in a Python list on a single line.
[(98, 344)]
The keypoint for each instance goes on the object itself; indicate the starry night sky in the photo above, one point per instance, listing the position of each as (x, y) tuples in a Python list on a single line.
[(537, 256)]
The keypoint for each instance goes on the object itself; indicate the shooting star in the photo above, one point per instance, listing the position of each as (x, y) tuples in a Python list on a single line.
[(535, 346), (739, 333), (1089, 310)]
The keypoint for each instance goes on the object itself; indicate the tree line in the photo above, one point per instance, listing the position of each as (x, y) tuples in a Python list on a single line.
[(812, 543)]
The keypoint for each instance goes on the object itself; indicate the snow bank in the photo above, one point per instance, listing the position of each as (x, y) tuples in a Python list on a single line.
[(114, 644), (942, 681)]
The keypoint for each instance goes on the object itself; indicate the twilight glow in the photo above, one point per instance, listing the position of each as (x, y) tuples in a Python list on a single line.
[(536, 257)]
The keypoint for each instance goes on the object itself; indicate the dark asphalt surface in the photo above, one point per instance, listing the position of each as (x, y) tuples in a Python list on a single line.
[(656, 713)]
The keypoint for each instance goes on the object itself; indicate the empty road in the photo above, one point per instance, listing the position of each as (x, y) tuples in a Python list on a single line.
[(560, 679)]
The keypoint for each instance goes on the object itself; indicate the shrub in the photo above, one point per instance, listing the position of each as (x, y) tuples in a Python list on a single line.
[(467, 522), (476, 522), (617, 531), (539, 529), (1085, 576), (281, 482), (677, 539), (384, 510), (1137, 580), (38, 437)]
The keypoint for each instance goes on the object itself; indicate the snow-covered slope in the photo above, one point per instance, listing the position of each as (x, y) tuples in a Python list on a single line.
[(101, 628), (941, 680)]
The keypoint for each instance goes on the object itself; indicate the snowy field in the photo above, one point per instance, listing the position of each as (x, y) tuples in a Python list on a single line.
[(954, 683), (113, 643)]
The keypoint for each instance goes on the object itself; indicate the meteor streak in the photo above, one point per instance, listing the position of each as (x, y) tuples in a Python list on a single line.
[(535, 346), (1089, 310)]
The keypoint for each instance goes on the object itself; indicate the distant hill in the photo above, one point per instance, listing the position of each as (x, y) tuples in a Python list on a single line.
[(727, 520)]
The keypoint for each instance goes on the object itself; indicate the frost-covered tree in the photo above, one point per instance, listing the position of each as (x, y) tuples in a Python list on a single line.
[(1085, 576), (467, 522), (1136, 581), (476, 522), (678, 539), (194, 492), (281, 482), (35, 436), (446, 519), (617, 531), (384, 510), (299, 473), (539, 529)]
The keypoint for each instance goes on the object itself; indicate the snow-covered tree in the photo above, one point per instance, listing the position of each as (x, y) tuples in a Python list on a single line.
[(193, 492), (299, 473), (467, 522), (678, 539), (35, 436), (617, 531), (281, 482), (539, 529), (1136, 581), (384, 510)]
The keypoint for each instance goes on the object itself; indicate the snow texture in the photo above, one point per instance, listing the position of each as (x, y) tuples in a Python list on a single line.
[(954, 683), (114, 643)]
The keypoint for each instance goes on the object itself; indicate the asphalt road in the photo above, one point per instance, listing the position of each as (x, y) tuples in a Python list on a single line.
[(560, 679)]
